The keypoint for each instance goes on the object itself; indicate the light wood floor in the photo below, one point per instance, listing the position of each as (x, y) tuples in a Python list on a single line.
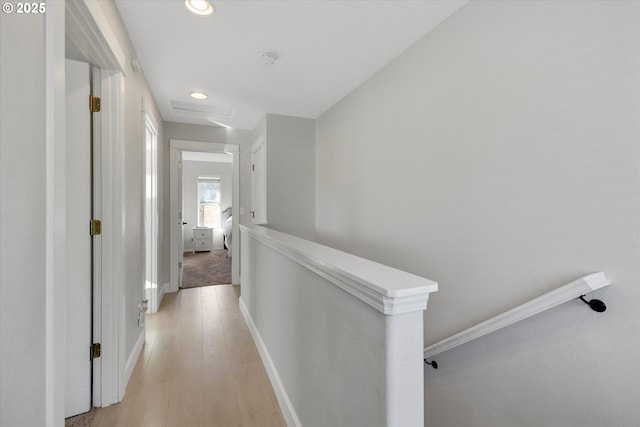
[(199, 367)]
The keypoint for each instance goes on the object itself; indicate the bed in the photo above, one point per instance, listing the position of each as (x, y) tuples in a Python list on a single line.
[(227, 223)]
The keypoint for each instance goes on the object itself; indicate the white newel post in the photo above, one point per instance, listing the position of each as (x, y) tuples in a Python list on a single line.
[(341, 337), (405, 379)]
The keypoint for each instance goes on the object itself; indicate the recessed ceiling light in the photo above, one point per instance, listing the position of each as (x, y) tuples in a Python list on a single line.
[(199, 7), (199, 95)]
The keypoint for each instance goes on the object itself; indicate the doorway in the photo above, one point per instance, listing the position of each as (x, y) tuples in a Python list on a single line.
[(151, 215), (177, 219), (84, 40), (207, 202), (78, 373)]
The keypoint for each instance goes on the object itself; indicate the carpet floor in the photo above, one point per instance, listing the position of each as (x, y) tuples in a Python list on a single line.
[(206, 269), (82, 420)]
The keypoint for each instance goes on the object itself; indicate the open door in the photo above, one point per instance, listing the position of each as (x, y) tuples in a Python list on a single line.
[(176, 218), (182, 222), (175, 202), (78, 251)]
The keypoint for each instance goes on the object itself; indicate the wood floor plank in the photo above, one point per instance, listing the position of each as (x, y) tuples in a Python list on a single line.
[(199, 367)]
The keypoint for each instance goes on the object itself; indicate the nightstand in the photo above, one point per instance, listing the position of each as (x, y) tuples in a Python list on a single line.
[(202, 239)]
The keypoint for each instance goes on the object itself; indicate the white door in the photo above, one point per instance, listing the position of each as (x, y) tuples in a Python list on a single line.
[(176, 218), (259, 182), (78, 251), (182, 222)]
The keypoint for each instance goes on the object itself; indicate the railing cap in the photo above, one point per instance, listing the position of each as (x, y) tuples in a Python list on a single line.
[(388, 289)]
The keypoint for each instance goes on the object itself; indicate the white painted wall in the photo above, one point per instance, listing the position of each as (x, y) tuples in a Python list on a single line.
[(137, 98), (192, 170), (499, 156), (290, 173), (23, 221)]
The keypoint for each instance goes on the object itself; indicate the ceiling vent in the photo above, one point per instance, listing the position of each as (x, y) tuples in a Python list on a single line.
[(212, 113)]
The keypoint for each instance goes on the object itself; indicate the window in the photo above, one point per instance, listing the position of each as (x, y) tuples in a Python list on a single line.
[(209, 202)]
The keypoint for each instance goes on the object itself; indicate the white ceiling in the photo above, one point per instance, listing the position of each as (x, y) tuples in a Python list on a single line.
[(325, 49)]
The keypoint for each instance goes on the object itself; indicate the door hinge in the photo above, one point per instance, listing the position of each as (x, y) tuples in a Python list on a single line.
[(96, 227), (95, 350), (253, 167), (179, 264), (94, 104)]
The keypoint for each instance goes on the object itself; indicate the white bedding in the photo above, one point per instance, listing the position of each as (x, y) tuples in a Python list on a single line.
[(226, 229)]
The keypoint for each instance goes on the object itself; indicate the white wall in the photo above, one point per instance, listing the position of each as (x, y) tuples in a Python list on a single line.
[(499, 156), (290, 173), (192, 170), (23, 221), (32, 282), (137, 98)]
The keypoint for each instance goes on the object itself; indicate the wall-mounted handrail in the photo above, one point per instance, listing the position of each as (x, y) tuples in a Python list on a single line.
[(570, 291)]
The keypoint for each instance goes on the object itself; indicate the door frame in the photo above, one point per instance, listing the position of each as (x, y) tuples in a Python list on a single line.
[(90, 30), (150, 207), (82, 253), (259, 187), (208, 147), (109, 378)]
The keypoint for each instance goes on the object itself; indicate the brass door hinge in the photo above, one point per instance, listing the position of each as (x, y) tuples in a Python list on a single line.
[(95, 350), (94, 104), (96, 227)]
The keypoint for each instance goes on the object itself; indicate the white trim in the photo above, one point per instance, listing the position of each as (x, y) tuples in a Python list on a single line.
[(150, 207), (544, 302), (210, 147), (259, 188), (161, 292), (100, 160), (175, 237), (288, 411), (117, 288), (89, 30), (109, 297), (133, 357), (386, 289), (55, 239), (148, 120)]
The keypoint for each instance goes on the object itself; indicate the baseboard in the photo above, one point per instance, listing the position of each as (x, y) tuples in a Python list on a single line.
[(286, 406), (161, 293), (133, 358)]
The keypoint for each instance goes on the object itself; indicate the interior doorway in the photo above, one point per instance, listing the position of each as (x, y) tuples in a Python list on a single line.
[(85, 40), (177, 218), (207, 203), (78, 374), (151, 229)]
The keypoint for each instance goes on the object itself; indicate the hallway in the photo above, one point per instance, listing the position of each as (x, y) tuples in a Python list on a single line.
[(199, 367)]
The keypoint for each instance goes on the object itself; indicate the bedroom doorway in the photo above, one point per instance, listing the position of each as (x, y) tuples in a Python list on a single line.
[(207, 211), (187, 228)]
